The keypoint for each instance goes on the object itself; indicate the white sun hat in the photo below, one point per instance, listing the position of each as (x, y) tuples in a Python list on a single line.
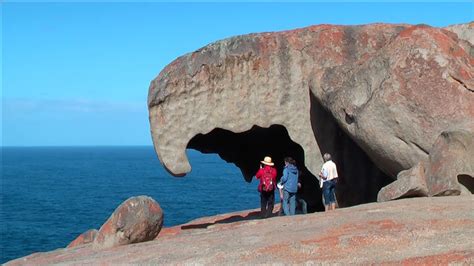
[(268, 161)]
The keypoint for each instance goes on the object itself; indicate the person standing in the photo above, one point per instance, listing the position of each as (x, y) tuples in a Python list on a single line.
[(267, 176), (328, 176), (289, 180)]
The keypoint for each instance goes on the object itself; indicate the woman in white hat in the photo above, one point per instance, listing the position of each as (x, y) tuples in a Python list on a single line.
[(267, 175)]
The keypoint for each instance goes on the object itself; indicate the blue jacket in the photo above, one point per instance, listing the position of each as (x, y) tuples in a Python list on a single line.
[(290, 178)]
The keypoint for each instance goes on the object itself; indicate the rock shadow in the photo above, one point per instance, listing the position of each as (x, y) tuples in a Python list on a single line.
[(359, 178), (232, 219), (467, 181)]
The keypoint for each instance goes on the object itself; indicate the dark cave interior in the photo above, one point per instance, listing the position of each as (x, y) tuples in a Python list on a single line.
[(359, 179), (467, 181)]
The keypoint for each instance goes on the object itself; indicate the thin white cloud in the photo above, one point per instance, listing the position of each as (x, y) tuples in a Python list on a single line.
[(81, 105)]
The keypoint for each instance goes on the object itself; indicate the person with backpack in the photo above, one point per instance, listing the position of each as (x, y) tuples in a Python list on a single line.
[(267, 175), (289, 180)]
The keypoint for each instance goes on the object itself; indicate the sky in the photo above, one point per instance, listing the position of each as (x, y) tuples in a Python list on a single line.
[(78, 73)]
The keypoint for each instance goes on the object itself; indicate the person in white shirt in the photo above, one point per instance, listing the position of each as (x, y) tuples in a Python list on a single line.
[(328, 177)]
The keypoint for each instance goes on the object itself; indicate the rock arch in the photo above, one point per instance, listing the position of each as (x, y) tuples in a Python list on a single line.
[(377, 96)]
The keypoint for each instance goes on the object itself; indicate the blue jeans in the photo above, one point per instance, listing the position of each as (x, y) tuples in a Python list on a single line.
[(329, 192), (289, 199)]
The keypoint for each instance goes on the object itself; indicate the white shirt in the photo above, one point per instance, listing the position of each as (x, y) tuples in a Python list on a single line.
[(329, 171)]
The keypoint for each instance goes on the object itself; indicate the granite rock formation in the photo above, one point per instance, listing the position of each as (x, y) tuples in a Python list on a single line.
[(375, 96), (138, 219), (451, 158), (426, 231)]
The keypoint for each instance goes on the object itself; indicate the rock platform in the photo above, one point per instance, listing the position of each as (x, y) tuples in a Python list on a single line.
[(435, 230)]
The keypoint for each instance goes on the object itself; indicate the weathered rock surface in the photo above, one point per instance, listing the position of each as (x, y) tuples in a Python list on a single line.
[(84, 238), (464, 32), (449, 169), (409, 183), (138, 219), (452, 155), (375, 96), (429, 231)]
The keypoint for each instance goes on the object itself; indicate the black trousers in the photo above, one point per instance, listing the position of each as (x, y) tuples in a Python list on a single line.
[(267, 201)]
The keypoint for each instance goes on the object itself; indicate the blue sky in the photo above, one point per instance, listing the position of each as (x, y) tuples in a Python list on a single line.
[(78, 73)]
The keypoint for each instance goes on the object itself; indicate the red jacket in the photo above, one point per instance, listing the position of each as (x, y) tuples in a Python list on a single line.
[(260, 172)]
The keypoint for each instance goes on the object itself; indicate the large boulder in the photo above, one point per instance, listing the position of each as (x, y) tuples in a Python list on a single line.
[(138, 219), (375, 96)]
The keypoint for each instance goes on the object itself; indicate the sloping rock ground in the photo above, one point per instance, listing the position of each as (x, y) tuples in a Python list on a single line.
[(429, 231)]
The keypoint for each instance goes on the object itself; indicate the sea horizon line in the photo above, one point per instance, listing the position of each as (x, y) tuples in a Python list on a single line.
[(76, 146)]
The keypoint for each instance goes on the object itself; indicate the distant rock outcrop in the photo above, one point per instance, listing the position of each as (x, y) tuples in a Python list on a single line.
[(375, 96), (138, 219), (464, 32)]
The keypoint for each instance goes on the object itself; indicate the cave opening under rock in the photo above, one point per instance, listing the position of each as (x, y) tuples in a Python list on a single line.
[(247, 149), (359, 178)]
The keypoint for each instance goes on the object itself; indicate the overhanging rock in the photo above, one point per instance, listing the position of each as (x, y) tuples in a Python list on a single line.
[(375, 96)]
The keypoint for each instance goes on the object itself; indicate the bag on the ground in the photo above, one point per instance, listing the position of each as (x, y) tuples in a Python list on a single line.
[(267, 181)]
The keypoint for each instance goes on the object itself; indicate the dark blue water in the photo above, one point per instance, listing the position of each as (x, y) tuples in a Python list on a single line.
[(50, 195)]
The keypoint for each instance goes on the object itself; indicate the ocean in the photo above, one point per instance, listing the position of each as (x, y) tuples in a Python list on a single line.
[(50, 195)]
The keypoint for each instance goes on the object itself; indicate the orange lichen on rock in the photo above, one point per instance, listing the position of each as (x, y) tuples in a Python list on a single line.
[(394, 232)]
